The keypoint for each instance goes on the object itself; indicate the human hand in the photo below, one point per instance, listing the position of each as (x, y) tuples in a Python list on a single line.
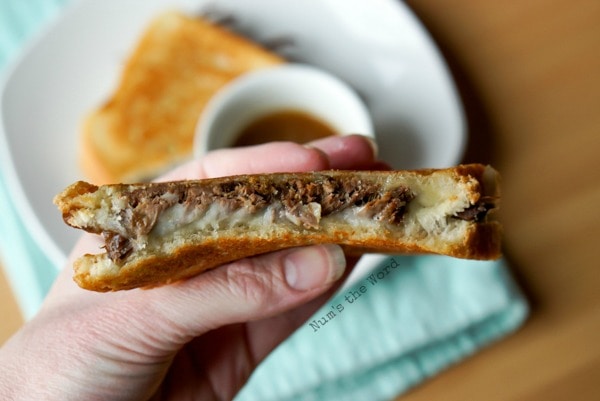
[(196, 339)]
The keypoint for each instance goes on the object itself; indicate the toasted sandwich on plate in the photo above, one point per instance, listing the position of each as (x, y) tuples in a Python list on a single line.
[(148, 124)]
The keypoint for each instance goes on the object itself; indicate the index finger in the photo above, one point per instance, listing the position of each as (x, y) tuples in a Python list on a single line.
[(266, 158), (336, 152)]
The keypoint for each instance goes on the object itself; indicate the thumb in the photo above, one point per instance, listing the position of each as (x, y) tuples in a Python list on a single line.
[(245, 290)]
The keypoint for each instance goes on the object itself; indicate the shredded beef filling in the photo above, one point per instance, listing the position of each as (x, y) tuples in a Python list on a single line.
[(117, 246), (478, 211), (298, 199)]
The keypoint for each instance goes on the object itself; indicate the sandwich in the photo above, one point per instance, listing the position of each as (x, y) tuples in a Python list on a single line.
[(147, 126), (158, 233)]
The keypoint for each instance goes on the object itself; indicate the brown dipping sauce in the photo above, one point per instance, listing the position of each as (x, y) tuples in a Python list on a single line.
[(286, 125)]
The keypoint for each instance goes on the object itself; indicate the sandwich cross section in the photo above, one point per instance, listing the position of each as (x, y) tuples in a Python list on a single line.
[(157, 233)]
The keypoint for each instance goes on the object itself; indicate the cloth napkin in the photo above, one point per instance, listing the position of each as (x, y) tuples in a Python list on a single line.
[(29, 271), (404, 320)]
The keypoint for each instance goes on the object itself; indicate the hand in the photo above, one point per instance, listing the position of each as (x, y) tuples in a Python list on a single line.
[(197, 339)]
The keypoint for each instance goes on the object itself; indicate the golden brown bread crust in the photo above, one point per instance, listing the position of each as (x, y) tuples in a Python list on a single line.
[(480, 240), (148, 124), (482, 243)]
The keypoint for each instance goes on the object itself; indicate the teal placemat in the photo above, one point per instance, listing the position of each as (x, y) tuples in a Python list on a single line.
[(29, 271)]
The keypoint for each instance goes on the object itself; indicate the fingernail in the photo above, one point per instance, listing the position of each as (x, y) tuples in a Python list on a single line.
[(313, 267)]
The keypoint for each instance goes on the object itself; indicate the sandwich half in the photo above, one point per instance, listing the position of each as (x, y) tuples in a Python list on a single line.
[(157, 233), (147, 125)]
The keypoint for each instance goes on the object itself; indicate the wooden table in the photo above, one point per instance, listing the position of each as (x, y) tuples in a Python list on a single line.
[(529, 73), (530, 77)]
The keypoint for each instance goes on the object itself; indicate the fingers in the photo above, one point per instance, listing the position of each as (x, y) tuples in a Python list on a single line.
[(246, 290), (338, 152), (252, 288), (267, 158)]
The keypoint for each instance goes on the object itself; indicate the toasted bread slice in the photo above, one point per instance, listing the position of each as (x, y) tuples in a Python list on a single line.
[(162, 232), (148, 125)]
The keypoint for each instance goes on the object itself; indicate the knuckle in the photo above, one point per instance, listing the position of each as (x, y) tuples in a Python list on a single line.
[(252, 283), (316, 159)]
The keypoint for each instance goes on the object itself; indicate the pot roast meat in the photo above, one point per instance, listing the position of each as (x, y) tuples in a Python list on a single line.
[(334, 195), (303, 202), (116, 245), (478, 211)]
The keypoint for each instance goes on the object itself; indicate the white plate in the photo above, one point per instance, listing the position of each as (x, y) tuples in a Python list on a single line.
[(378, 46)]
